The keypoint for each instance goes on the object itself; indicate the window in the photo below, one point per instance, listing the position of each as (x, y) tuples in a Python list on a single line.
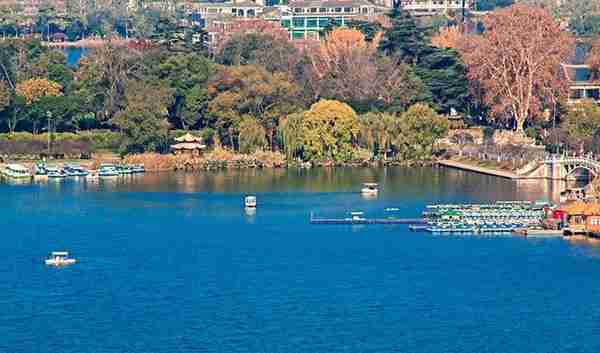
[(323, 22), (364, 10), (338, 9), (298, 10), (312, 23), (347, 9), (313, 9), (298, 22), (322, 10), (286, 23), (297, 35)]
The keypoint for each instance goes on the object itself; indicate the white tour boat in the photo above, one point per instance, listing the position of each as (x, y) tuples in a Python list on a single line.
[(369, 189), (250, 201), (59, 258)]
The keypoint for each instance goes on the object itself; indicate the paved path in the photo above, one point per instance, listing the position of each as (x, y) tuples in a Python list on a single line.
[(483, 170)]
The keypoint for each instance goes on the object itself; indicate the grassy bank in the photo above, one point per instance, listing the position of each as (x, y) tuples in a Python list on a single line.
[(27, 146)]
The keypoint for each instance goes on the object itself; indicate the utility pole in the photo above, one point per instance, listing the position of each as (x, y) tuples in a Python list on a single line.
[(49, 116)]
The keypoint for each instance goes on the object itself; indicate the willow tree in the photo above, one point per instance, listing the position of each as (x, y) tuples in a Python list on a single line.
[(290, 133), (377, 131), (516, 63), (329, 129)]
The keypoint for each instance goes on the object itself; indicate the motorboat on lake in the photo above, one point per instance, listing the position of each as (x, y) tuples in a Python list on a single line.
[(250, 201), (55, 173), (138, 168), (16, 171), (369, 189), (75, 170), (124, 169), (107, 170), (59, 258)]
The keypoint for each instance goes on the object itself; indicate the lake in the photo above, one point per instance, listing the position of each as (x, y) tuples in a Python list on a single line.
[(171, 263), (74, 54)]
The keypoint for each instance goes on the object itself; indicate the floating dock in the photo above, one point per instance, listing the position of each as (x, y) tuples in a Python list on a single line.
[(356, 220)]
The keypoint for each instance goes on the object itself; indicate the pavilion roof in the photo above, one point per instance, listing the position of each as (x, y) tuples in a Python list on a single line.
[(582, 208), (188, 146), (188, 138)]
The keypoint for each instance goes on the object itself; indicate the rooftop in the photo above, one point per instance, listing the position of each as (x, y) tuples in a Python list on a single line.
[(582, 208), (329, 3)]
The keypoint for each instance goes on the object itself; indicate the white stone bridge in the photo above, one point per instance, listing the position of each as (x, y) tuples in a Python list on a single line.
[(560, 167)]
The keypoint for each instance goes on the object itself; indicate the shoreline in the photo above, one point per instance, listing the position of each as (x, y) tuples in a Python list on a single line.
[(86, 43), (481, 170)]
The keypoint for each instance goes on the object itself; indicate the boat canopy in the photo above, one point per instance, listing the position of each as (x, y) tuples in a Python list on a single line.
[(60, 253), (17, 167), (370, 184)]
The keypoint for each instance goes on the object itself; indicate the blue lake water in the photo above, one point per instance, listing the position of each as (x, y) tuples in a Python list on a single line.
[(73, 55), (171, 263)]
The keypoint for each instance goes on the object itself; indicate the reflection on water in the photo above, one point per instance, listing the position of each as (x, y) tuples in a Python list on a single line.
[(171, 262), (423, 182)]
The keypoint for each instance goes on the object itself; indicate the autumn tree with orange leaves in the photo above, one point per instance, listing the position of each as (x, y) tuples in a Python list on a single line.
[(593, 58), (447, 38), (35, 89), (516, 63)]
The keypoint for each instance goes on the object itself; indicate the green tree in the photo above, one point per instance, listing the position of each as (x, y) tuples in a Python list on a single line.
[(440, 69), (445, 77), (329, 129), (250, 90), (251, 135), (263, 49), (143, 122), (404, 39), (418, 130), (102, 77), (582, 120), (377, 131), (5, 95), (188, 75), (290, 132)]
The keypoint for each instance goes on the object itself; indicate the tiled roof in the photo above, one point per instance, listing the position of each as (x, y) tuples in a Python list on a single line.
[(329, 3)]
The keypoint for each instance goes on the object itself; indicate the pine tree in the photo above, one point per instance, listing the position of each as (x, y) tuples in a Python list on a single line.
[(404, 39), (440, 69)]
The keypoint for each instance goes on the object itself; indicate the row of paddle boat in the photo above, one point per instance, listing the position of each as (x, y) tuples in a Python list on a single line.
[(75, 170), (499, 217)]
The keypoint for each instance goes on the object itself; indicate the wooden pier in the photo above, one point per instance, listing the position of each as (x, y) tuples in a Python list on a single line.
[(366, 220)]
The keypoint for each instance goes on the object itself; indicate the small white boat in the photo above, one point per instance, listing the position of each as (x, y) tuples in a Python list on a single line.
[(59, 258), (108, 170), (16, 171), (369, 189), (250, 202), (356, 216)]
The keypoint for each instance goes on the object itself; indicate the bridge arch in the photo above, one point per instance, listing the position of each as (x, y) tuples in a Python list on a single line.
[(573, 168)]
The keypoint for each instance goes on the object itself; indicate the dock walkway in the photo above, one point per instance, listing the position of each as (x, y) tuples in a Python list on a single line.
[(482, 170), (367, 221)]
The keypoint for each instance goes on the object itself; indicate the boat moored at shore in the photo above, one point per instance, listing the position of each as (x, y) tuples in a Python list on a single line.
[(16, 171)]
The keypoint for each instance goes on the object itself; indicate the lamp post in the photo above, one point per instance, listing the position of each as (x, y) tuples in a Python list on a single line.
[(49, 116)]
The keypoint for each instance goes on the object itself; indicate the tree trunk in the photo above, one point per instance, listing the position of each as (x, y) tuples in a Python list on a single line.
[(520, 123)]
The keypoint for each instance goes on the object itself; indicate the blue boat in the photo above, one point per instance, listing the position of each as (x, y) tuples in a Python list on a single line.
[(138, 168), (55, 173), (74, 170), (107, 170)]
